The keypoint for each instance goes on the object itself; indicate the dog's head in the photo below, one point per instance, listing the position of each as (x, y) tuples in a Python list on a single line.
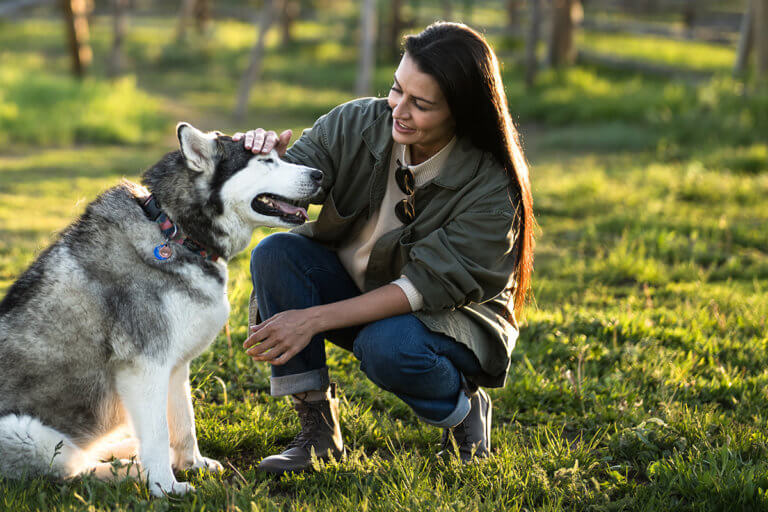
[(262, 189), (218, 192)]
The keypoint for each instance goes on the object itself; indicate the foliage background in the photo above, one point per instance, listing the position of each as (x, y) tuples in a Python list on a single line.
[(639, 381)]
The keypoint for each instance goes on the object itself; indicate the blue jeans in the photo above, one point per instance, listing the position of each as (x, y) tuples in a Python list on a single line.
[(399, 354)]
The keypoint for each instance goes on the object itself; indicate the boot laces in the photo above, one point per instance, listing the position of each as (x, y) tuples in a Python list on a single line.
[(460, 434), (312, 420)]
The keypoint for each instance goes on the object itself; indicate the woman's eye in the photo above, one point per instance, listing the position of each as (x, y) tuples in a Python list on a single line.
[(394, 88)]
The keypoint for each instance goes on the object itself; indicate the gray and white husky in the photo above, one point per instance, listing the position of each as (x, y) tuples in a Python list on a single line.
[(97, 335)]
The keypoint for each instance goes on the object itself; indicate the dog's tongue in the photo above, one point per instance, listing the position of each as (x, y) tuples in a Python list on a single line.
[(290, 209)]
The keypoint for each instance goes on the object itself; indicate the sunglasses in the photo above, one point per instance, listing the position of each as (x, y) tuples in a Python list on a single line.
[(404, 210)]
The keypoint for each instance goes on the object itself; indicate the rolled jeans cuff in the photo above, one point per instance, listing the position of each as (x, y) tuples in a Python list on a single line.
[(300, 382), (456, 416)]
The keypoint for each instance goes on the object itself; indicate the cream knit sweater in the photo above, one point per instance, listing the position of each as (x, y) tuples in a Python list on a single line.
[(354, 254)]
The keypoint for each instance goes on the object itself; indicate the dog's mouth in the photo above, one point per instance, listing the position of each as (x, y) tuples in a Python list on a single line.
[(276, 206)]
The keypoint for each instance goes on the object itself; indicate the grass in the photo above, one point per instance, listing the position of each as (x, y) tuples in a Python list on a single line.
[(639, 379)]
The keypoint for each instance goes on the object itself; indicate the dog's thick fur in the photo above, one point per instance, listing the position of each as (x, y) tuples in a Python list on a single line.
[(97, 335)]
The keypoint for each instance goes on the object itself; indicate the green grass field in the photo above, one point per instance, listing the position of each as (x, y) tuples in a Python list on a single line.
[(639, 382)]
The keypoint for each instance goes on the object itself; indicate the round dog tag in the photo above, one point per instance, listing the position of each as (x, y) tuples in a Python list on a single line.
[(163, 252)]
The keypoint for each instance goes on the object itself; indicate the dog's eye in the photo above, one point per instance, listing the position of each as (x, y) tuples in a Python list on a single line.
[(268, 161)]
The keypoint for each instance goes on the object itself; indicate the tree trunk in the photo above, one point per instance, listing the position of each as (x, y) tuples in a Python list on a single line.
[(202, 15), (290, 13), (565, 15), (75, 16), (689, 17), (185, 13), (119, 26), (396, 6), (531, 62), (746, 39), (447, 10), (761, 39), (513, 15), (253, 74), (367, 57)]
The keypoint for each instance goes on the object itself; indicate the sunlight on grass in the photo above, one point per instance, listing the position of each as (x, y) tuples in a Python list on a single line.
[(679, 54), (640, 374)]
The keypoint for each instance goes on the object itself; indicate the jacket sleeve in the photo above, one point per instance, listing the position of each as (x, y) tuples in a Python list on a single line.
[(322, 147), (470, 259)]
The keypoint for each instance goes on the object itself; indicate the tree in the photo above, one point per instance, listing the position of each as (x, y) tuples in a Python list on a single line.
[(447, 10), (531, 62), (565, 15), (197, 10), (395, 28), (185, 12), (513, 15), (761, 39), (367, 57), (253, 74), (746, 39), (76, 19), (119, 26), (289, 13)]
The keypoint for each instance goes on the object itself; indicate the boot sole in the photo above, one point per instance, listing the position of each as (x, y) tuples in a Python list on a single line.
[(279, 472)]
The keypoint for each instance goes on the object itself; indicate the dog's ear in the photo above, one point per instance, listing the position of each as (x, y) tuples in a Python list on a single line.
[(198, 148)]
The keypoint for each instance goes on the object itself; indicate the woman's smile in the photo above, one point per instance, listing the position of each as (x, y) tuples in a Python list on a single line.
[(402, 128)]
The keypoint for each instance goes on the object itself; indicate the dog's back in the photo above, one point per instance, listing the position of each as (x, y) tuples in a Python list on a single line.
[(70, 317)]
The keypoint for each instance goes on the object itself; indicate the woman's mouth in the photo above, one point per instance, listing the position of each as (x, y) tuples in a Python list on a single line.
[(401, 128)]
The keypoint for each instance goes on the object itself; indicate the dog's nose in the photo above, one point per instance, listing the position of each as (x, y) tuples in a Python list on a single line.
[(316, 176)]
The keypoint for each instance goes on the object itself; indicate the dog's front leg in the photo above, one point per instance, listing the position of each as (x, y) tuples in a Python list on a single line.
[(143, 389), (181, 420)]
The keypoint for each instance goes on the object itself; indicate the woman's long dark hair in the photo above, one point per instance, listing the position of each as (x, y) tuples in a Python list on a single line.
[(467, 71)]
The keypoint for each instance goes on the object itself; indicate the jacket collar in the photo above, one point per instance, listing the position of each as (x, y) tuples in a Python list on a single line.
[(461, 166)]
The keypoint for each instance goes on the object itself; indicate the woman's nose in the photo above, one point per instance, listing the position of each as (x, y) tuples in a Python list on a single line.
[(400, 110)]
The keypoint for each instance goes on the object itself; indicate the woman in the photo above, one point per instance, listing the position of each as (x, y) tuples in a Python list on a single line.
[(423, 240)]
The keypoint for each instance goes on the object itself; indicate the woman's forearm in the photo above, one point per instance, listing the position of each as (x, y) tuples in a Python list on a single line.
[(384, 302)]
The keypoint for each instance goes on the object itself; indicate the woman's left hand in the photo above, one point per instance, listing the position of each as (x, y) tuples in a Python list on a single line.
[(279, 338)]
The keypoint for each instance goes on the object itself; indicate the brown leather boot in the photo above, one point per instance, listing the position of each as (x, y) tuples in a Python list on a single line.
[(320, 433), (473, 435)]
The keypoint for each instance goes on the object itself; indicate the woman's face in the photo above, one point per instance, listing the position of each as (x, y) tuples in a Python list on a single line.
[(420, 112)]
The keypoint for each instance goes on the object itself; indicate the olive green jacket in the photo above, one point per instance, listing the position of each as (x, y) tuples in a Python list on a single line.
[(458, 252)]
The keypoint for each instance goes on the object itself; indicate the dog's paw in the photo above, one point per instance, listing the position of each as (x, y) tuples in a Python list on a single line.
[(206, 464), (178, 488)]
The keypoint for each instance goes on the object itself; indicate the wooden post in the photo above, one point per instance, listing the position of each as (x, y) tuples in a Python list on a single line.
[(253, 74), (75, 16), (366, 61)]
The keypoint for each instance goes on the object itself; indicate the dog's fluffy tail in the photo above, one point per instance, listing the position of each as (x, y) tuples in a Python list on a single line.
[(29, 449)]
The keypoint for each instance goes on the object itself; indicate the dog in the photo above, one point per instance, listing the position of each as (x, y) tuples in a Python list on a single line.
[(97, 335)]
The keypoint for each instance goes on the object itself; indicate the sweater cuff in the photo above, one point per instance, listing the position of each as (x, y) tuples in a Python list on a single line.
[(415, 299)]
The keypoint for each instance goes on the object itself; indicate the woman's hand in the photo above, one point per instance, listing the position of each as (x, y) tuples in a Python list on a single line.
[(262, 141), (282, 336)]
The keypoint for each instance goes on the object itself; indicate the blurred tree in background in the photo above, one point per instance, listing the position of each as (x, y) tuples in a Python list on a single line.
[(639, 380)]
